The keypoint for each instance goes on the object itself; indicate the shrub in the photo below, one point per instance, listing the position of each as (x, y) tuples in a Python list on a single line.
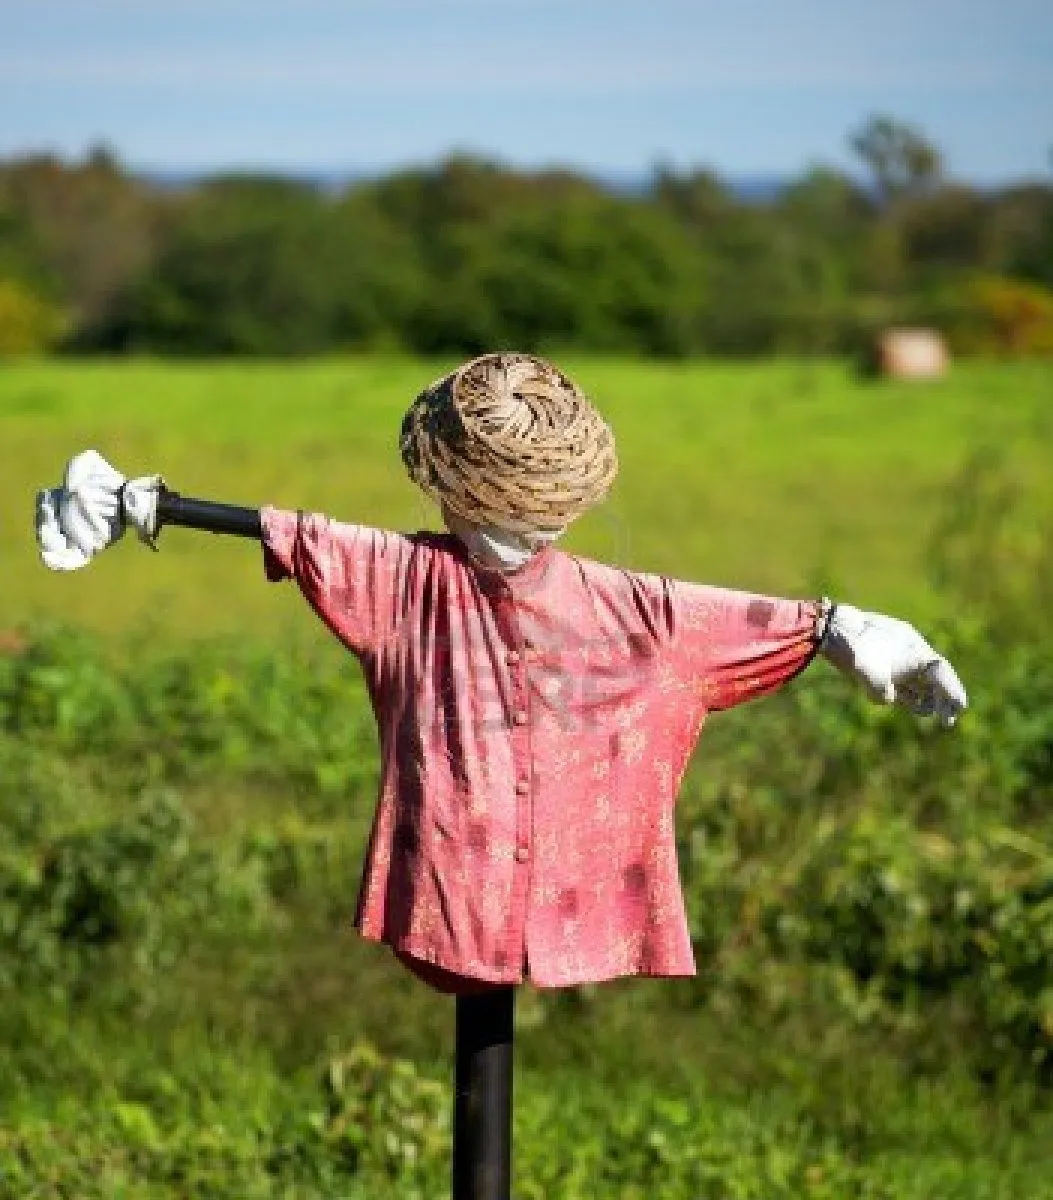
[(822, 831), (28, 324), (126, 892), (1002, 316)]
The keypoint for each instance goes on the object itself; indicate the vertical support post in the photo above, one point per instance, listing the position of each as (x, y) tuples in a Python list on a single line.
[(482, 1122)]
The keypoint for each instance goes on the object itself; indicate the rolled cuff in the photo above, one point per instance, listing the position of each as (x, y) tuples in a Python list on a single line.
[(279, 530)]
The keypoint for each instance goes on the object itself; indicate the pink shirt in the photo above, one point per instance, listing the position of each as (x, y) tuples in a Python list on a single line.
[(534, 728)]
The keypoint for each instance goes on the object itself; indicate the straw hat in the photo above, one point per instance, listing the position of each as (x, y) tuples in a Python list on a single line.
[(508, 440)]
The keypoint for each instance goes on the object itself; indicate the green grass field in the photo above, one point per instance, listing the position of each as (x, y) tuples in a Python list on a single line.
[(232, 1038), (780, 478)]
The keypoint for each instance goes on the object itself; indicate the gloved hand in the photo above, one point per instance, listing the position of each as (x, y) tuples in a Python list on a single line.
[(893, 662), (90, 511)]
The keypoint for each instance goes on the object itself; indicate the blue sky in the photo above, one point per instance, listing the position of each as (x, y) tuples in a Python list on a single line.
[(747, 86)]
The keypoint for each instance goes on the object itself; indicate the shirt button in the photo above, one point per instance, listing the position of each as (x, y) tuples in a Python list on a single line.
[(520, 716), (512, 657), (523, 786), (522, 854)]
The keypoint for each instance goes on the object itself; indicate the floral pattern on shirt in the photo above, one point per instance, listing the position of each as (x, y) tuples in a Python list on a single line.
[(534, 729)]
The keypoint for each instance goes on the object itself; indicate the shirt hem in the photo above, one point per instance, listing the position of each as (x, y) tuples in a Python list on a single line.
[(610, 977), (407, 948)]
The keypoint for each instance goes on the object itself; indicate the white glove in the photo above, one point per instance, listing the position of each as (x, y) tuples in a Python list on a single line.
[(91, 510), (893, 662)]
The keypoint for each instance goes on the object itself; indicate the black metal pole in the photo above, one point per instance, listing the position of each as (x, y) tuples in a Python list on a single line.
[(174, 509), (482, 1123)]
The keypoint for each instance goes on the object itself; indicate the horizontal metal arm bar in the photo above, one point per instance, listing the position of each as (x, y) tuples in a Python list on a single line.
[(174, 509)]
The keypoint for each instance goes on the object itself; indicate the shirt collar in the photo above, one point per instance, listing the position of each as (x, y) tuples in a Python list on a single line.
[(490, 579)]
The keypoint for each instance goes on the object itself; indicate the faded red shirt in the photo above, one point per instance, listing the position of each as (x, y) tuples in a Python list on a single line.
[(534, 728)]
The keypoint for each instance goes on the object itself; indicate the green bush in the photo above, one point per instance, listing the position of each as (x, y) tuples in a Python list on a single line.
[(28, 324), (992, 316), (914, 860), (366, 1124), (466, 254), (184, 716), (1013, 318), (112, 901), (871, 902)]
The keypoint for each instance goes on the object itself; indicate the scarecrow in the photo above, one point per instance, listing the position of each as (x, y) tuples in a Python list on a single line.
[(536, 709)]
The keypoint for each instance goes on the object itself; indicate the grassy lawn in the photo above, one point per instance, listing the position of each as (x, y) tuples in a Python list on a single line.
[(237, 1040), (785, 477)]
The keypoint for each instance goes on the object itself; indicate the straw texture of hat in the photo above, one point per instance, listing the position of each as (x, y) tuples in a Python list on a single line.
[(508, 440)]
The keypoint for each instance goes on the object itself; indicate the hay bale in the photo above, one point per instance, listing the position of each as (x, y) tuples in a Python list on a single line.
[(911, 354)]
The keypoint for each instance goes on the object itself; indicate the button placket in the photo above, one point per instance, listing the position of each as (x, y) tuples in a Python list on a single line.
[(517, 716), (516, 658), (521, 759)]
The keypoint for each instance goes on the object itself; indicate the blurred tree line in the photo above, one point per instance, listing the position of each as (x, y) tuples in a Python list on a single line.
[(468, 254)]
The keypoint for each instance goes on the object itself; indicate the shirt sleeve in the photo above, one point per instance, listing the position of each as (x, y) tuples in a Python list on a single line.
[(736, 646), (353, 576)]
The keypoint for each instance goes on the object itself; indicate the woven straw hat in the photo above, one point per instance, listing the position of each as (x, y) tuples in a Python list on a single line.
[(508, 440)]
